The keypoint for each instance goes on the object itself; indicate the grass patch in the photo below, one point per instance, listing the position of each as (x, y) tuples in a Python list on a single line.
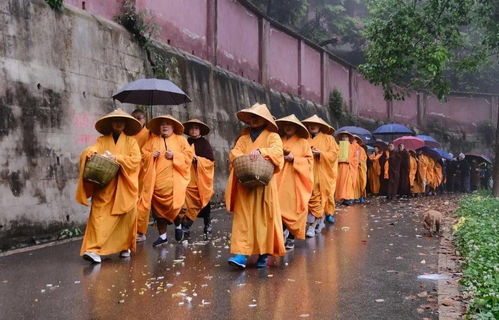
[(477, 240)]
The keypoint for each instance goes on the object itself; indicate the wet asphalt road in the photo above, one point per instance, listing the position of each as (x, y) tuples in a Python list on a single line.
[(363, 267)]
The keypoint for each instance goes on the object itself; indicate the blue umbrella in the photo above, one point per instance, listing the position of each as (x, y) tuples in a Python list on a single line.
[(361, 132), (392, 128), (429, 141), (443, 154)]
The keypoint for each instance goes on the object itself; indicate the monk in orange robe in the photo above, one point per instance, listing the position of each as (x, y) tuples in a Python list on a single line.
[(430, 174), (141, 137), (200, 188), (257, 222), (374, 171), (166, 159), (360, 193), (348, 171), (414, 176), (295, 181), (325, 151), (423, 163), (112, 224)]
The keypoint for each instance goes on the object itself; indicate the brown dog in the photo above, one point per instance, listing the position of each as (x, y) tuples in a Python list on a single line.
[(431, 221)]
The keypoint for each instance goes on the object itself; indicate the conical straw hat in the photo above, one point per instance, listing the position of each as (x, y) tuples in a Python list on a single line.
[(359, 139), (132, 125), (345, 132), (325, 127), (155, 123), (302, 130), (260, 110), (203, 127)]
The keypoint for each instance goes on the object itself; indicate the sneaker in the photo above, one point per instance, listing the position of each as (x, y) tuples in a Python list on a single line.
[(159, 242), (125, 253), (179, 234), (238, 261), (262, 261), (141, 237), (290, 244), (310, 232), (186, 231), (92, 257), (330, 219), (321, 225)]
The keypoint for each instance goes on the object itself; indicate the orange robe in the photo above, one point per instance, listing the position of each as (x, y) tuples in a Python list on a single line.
[(112, 224), (295, 184), (423, 170), (362, 175), (142, 137), (374, 173), (257, 222), (325, 173), (414, 176), (142, 217), (438, 174), (165, 181), (348, 174), (430, 173), (200, 188)]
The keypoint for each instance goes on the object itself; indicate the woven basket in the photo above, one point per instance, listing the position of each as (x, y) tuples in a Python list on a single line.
[(100, 170), (253, 174)]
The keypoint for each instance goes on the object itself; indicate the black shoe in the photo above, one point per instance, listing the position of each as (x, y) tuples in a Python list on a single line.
[(159, 242), (290, 244), (179, 234), (187, 232)]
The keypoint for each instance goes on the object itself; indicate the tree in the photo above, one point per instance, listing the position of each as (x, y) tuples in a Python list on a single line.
[(421, 44)]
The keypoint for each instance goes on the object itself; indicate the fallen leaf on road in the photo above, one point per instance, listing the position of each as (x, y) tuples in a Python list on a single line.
[(423, 261), (345, 229), (305, 315), (423, 294), (380, 300)]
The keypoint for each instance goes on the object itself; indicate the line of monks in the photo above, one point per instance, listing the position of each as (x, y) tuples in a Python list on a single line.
[(171, 177)]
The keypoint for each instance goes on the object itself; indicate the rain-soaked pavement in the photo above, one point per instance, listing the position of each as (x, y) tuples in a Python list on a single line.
[(363, 267)]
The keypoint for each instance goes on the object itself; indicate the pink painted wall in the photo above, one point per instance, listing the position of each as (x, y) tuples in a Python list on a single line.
[(406, 111), (337, 77), (367, 99), (311, 74), (183, 23), (283, 62), (106, 8), (466, 112), (237, 47)]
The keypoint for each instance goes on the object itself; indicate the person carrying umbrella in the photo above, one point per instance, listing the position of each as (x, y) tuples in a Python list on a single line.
[(360, 190), (112, 224), (348, 169), (404, 188), (257, 222), (325, 151), (141, 137), (200, 188), (167, 159), (374, 171), (295, 181)]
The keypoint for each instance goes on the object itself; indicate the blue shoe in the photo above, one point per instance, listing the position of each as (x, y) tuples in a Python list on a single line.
[(348, 202), (159, 242), (330, 219), (262, 261), (362, 200), (238, 261)]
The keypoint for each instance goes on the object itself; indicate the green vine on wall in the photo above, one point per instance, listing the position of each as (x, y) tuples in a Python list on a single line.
[(55, 4), (141, 24)]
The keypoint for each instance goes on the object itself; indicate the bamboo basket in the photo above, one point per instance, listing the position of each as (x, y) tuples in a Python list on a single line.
[(253, 174), (100, 170)]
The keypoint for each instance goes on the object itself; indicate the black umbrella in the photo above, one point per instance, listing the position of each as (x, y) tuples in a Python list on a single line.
[(152, 92)]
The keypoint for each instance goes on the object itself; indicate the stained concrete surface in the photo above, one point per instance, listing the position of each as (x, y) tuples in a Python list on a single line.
[(363, 267)]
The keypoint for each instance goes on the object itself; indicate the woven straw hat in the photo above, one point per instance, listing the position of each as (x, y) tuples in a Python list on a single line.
[(345, 132), (203, 127), (325, 127), (155, 123), (132, 125), (260, 110), (359, 139), (302, 130)]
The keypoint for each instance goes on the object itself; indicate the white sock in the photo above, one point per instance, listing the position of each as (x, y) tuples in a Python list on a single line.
[(178, 227), (163, 236)]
